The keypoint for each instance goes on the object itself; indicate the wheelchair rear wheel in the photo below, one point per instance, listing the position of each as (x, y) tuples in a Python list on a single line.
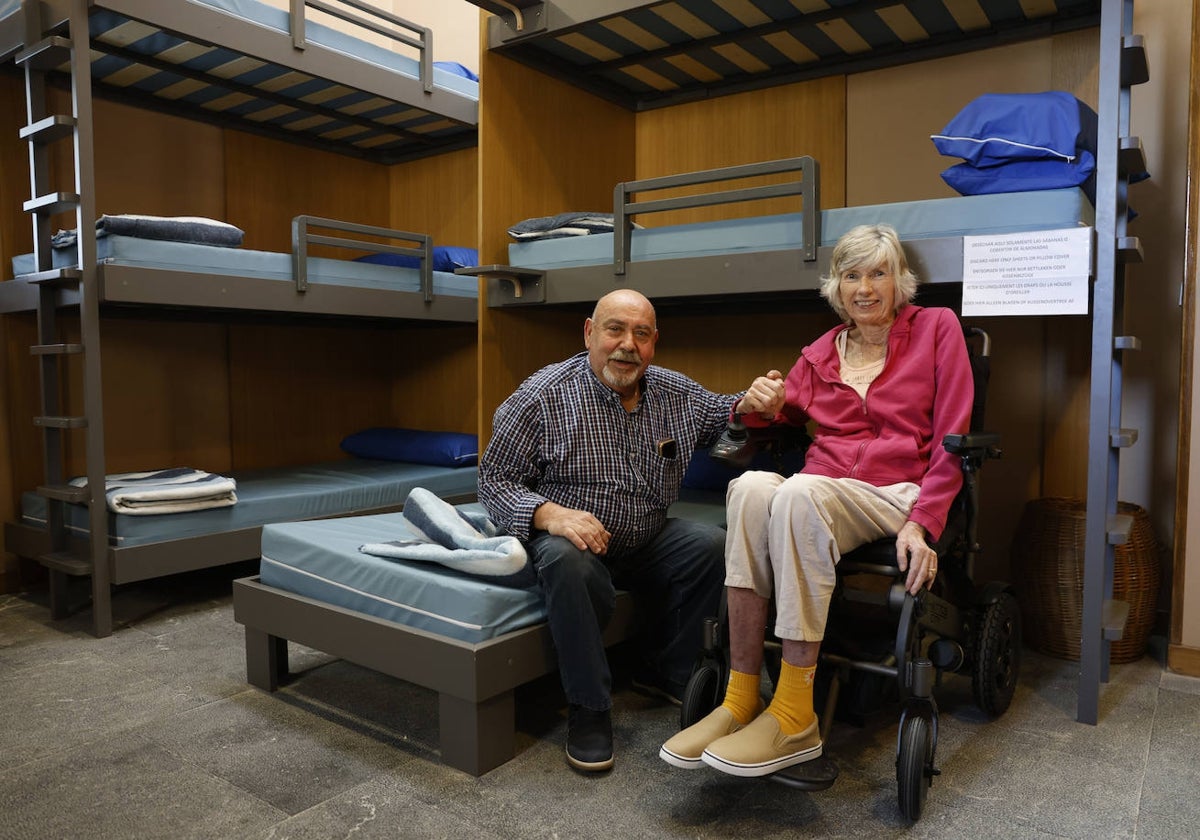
[(914, 765), (705, 691), (997, 655)]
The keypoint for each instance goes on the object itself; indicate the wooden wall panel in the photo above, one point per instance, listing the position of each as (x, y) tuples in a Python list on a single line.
[(297, 390), (435, 385), (438, 195), (268, 182), (544, 147), (746, 128)]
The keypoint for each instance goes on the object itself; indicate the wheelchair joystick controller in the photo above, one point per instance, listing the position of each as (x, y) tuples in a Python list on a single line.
[(733, 446)]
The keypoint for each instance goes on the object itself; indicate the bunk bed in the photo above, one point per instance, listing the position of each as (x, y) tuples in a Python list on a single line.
[(645, 55), (280, 74)]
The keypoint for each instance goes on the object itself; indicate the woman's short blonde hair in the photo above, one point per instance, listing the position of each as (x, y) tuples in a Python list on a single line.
[(868, 246)]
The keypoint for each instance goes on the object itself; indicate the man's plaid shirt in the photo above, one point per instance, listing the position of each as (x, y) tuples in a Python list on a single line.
[(563, 436)]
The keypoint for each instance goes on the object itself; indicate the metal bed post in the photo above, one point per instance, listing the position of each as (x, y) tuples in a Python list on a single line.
[(1122, 64)]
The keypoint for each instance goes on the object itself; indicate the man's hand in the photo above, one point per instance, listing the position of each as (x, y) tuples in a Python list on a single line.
[(585, 531), (765, 395), (915, 556)]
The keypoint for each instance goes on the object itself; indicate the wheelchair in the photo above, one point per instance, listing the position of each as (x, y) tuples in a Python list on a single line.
[(879, 638)]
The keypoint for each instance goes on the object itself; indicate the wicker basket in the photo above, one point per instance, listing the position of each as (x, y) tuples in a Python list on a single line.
[(1047, 558)]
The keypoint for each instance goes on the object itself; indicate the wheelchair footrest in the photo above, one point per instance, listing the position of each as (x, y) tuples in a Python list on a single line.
[(818, 774)]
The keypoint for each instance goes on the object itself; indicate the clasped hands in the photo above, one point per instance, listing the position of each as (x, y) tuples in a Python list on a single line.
[(765, 395)]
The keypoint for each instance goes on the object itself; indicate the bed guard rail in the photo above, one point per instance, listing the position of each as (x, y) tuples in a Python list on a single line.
[(302, 238), (397, 30), (807, 187)]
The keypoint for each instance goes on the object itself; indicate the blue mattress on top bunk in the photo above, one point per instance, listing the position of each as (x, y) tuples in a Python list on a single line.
[(321, 560), (963, 216), (241, 262), (278, 495), (260, 13)]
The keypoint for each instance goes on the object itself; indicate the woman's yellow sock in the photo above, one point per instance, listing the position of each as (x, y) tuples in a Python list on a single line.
[(741, 696), (792, 705)]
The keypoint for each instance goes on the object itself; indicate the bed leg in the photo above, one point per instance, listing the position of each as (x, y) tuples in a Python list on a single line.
[(477, 737), (266, 659), (58, 595)]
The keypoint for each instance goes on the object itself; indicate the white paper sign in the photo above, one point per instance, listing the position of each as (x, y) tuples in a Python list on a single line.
[(1040, 273)]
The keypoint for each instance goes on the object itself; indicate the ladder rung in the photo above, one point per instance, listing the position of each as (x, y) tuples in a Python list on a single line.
[(1135, 70), (56, 349), (1129, 249), (57, 127), (1122, 438), (60, 422), (1131, 158), (1120, 526), (66, 562), (46, 55), (53, 277), (1127, 342), (64, 492), (1116, 614), (52, 203)]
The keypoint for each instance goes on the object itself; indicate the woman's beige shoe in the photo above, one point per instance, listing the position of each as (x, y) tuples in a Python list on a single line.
[(760, 748), (685, 747)]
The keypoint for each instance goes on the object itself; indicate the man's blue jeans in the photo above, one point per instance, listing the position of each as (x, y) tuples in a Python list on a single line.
[(677, 576)]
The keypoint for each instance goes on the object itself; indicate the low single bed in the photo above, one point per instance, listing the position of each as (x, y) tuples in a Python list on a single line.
[(470, 640), (763, 255)]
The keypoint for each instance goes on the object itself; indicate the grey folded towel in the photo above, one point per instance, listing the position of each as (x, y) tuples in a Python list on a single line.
[(195, 229), (561, 225)]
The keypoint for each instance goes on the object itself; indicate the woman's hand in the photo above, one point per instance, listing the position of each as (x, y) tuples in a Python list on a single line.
[(765, 395), (914, 555)]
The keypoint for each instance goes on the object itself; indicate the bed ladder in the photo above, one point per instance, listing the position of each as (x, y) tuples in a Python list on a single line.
[(50, 47)]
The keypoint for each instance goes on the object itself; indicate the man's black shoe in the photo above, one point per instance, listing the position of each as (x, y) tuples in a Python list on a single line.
[(589, 739)]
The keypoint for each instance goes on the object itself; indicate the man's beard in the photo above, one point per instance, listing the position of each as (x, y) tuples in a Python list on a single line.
[(621, 381)]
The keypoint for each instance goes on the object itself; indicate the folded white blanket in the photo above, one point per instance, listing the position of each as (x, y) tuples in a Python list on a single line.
[(176, 490), (461, 540)]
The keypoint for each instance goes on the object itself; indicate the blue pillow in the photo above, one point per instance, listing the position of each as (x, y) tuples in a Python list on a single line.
[(439, 449), (445, 258), (996, 128), (705, 472), (1019, 175), (457, 69)]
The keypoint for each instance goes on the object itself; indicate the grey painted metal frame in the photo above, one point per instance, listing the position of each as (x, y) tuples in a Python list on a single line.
[(807, 187), (475, 682), (302, 238)]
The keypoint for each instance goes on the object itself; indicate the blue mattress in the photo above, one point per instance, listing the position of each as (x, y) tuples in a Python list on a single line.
[(278, 19), (278, 495), (241, 262), (321, 560), (964, 216)]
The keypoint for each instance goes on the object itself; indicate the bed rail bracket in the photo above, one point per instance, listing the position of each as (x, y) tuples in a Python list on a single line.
[(509, 285), (517, 18)]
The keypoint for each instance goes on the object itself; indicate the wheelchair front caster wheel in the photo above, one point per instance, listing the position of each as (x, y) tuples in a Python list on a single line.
[(914, 766), (997, 655), (704, 692)]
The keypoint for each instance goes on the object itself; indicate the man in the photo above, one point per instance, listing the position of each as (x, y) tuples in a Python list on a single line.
[(585, 458)]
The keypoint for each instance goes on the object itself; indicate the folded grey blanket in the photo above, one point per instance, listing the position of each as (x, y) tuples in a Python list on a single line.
[(195, 229), (561, 225), (177, 490), (461, 540)]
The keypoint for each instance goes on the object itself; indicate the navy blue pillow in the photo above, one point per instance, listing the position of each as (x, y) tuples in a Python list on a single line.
[(439, 449), (457, 69), (997, 128), (1019, 175), (705, 472), (445, 258)]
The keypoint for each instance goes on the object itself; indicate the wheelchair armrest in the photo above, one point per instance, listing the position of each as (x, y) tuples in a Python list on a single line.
[(979, 444)]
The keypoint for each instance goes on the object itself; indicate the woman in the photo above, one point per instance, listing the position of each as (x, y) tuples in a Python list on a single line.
[(881, 392)]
